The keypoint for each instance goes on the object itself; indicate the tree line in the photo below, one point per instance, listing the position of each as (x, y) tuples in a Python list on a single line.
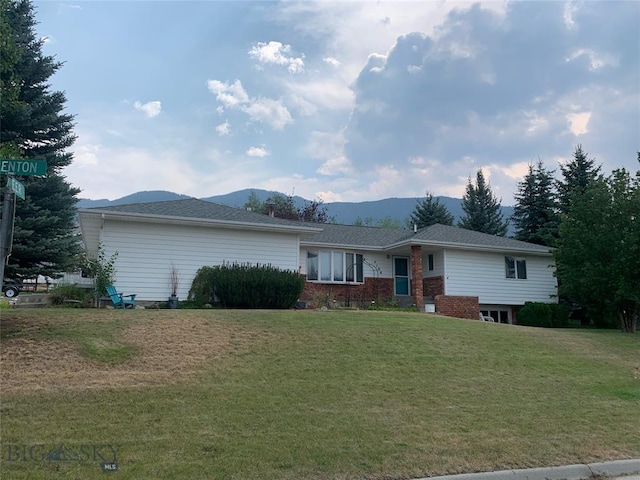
[(590, 221)]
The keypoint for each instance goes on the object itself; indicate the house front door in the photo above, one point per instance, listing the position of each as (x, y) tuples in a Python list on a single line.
[(401, 275)]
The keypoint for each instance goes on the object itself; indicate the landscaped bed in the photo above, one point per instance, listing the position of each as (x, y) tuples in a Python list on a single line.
[(206, 394)]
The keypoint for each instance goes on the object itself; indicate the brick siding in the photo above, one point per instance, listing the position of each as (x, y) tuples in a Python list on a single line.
[(458, 306), (416, 276), (355, 294), (433, 286)]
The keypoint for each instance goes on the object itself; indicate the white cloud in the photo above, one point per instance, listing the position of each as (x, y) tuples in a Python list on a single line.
[(264, 110), (259, 152), (276, 53), (267, 110), (579, 122), (223, 129), (86, 155), (597, 60), (150, 109), (333, 93), (229, 95), (331, 61), (570, 9), (336, 166)]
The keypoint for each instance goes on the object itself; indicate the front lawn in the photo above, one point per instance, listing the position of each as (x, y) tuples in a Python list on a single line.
[(208, 394)]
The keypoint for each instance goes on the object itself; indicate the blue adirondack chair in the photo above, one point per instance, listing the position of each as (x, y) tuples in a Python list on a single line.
[(118, 299)]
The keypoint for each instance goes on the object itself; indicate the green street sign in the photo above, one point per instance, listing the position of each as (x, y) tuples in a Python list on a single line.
[(23, 166), (16, 186)]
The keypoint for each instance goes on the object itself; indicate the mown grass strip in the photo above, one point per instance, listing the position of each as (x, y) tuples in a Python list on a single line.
[(353, 395)]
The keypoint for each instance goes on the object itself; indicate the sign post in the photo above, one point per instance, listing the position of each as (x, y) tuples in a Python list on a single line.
[(11, 167)]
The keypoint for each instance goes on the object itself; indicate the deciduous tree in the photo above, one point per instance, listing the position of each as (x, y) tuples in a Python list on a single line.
[(283, 206), (598, 254)]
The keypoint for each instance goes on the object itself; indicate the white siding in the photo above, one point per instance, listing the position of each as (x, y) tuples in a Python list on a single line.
[(438, 263), (482, 274), (146, 252)]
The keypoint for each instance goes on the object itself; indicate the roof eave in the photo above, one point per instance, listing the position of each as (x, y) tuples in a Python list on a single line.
[(344, 246), (205, 222), (471, 246)]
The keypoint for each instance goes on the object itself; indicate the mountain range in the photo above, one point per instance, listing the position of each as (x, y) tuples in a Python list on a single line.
[(370, 212)]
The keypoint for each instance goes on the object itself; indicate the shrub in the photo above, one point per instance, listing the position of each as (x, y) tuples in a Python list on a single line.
[(61, 293), (535, 315), (246, 286), (559, 315)]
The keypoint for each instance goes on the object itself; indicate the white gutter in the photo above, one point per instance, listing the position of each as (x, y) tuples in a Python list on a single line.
[(204, 222)]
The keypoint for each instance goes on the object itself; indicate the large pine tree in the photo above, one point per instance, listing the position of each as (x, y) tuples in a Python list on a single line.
[(34, 126), (534, 214), (577, 175), (430, 211), (482, 209)]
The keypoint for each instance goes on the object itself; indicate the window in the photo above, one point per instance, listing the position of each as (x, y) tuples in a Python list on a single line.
[(328, 266), (430, 259), (401, 275), (312, 265), (515, 268), (499, 316)]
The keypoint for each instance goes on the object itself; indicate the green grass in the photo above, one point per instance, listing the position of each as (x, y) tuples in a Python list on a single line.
[(333, 395)]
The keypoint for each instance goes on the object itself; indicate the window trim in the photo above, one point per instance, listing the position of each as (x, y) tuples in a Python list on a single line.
[(515, 268), (396, 276), (357, 273)]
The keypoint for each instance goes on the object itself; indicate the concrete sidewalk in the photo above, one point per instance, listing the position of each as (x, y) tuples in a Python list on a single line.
[(618, 469)]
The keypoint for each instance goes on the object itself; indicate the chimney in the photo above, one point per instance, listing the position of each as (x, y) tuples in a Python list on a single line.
[(415, 228)]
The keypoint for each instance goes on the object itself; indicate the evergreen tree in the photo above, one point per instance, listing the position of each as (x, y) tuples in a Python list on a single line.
[(482, 209), (534, 214), (576, 177), (429, 212), (33, 126), (598, 251)]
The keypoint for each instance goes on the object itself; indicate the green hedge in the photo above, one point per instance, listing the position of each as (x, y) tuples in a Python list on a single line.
[(535, 314), (246, 286)]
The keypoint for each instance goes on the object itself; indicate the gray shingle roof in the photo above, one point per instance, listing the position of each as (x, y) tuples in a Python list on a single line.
[(335, 235), (435, 234), (459, 236), (197, 209), (356, 236)]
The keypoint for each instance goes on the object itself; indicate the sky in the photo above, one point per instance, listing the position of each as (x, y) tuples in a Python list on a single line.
[(341, 101)]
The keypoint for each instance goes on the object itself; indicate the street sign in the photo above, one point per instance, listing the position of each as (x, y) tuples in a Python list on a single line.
[(16, 186), (23, 166)]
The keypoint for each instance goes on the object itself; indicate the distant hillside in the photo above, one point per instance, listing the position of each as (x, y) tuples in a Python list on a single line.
[(139, 197), (342, 212)]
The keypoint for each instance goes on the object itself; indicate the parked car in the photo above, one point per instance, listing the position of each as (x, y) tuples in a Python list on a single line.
[(11, 288)]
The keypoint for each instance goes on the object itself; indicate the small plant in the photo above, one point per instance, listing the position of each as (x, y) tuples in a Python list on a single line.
[(323, 299), (71, 296), (101, 269), (174, 280)]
